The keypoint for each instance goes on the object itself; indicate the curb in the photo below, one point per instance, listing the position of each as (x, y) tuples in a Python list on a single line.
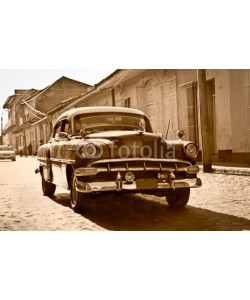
[(229, 171)]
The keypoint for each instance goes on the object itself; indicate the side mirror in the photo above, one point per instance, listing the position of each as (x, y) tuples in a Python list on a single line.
[(62, 135), (180, 134), (159, 134)]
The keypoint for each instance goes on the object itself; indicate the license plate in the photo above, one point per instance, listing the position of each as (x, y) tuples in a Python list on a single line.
[(146, 184)]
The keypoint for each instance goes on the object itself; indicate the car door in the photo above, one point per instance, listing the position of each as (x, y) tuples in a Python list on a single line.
[(57, 154)]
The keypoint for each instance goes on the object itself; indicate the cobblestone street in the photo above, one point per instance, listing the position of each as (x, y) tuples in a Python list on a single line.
[(221, 204)]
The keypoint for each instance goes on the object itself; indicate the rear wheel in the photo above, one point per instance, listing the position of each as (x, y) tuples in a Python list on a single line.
[(48, 188), (78, 201), (178, 197)]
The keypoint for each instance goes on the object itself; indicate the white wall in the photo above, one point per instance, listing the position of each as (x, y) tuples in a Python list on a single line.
[(223, 126)]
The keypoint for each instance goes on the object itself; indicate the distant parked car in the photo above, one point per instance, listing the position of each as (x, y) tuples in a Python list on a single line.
[(96, 150), (7, 152)]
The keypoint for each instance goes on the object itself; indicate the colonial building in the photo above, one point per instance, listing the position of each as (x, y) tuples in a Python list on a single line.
[(168, 97), (27, 107), (18, 118)]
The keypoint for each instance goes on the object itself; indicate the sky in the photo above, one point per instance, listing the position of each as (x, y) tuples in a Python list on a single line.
[(11, 79)]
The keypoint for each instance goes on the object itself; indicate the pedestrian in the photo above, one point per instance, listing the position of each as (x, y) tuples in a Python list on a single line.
[(25, 151), (30, 149), (41, 142), (20, 149)]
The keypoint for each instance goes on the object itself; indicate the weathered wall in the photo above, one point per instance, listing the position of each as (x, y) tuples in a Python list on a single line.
[(154, 92), (61, 90), (222, 116), (188, 105), (238, 112), (222, 113)]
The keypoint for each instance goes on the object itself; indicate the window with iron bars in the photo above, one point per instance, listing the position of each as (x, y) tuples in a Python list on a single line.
[(127, 102)]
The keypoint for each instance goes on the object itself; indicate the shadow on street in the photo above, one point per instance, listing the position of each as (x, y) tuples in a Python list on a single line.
[(136, 212)]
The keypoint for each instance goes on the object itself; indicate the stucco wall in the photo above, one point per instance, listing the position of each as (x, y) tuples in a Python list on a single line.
[(222, 108), (156, 87), (100, 99), (222, 111), (185, 98), (5, 139), (61, 90), (238, 112)]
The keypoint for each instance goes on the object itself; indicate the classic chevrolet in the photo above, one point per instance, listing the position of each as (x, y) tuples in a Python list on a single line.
[(96, 150), (7, 152)]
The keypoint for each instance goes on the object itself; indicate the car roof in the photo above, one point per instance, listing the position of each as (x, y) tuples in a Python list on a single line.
[(98, 109)]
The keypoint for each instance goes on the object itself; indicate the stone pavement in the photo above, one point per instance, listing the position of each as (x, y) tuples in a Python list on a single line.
[(230, 169), (222, 203)]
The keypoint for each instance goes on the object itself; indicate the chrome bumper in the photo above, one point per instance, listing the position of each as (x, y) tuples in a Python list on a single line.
[(109, 186)]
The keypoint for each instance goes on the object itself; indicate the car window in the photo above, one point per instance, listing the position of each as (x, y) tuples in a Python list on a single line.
[(62, 126), (57, 129), (109, 121), (66, 127)]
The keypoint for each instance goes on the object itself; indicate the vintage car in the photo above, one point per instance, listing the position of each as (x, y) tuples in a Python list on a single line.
[(7, 152), (96, 150)]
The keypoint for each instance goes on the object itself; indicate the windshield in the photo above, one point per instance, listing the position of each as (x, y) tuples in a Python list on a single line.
[(5, 147), (109, 121)]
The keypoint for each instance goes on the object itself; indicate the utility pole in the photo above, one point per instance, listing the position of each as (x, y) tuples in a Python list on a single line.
[(1, 128), (204, 121)]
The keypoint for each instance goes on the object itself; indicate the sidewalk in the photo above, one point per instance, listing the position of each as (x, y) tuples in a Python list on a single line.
[(229, 169)]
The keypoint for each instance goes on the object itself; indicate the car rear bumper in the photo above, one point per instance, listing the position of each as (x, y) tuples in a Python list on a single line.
[(8, 157), (111, 186)]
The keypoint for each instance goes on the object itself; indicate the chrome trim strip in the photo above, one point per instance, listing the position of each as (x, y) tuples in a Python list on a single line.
[(105, 165), (56, 160), (92, 187), (142, 160)]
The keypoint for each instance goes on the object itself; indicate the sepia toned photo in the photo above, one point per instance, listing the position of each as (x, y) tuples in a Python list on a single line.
[(125, 150)]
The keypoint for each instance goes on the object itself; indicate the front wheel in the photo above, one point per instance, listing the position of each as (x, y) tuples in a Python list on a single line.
[(78, 201), (178, 197), (48, 188)]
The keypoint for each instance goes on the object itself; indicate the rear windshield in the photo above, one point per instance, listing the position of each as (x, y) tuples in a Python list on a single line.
[(5, 147)]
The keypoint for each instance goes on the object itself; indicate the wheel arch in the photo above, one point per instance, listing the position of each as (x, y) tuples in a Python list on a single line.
[(69, 172)]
